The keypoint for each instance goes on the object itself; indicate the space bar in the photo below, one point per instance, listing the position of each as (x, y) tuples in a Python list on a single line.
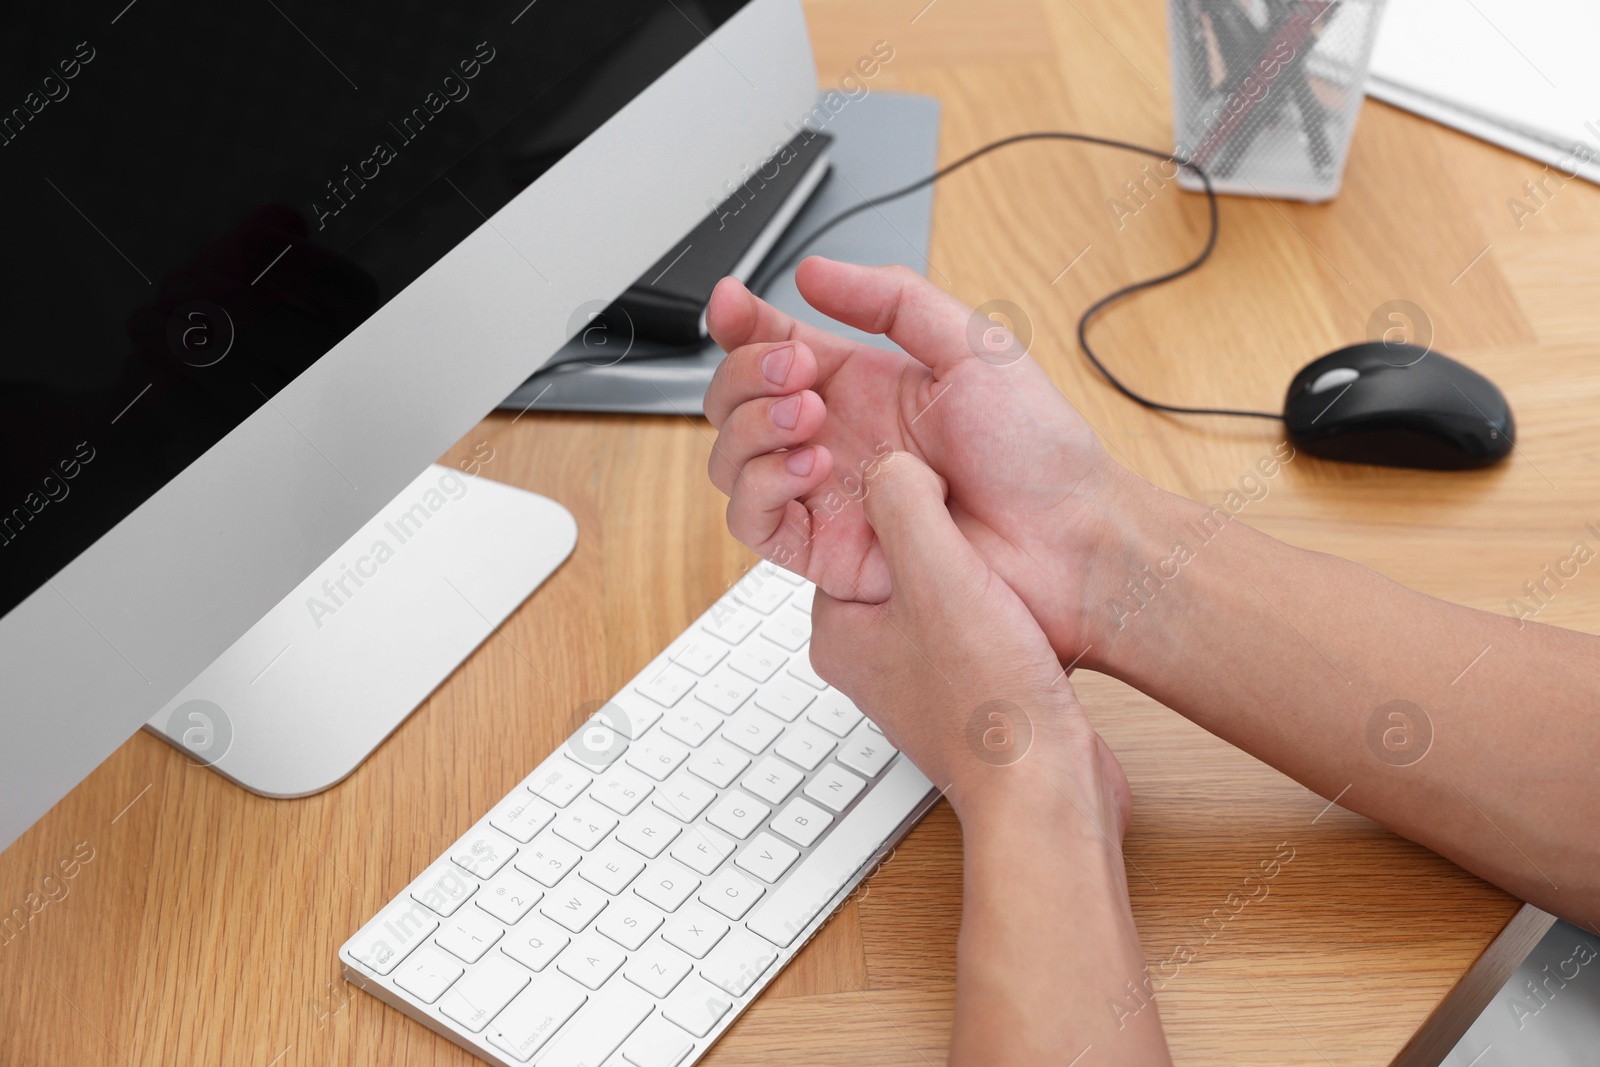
[(790, 909)]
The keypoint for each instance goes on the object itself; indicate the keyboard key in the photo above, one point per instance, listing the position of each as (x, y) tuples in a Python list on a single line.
[(658, 969), (834, 787), (802, 598), (719, 763), (767, 858), (656, 755), (730, 621), (521, 816), (559, 782), (692, 722), (752, 730), (629, 921), (684, 797), (585, 824), (695, 930), (533, 1018), (483, 853), (697, 654), (768, 569), (786, 697), (590, 960), (547, 859), (866, 751), (597, 744), (725, 689), (621, 789), (697, 1006), (788, 628), (509, 896), (392, 934), (738, 814), (667, 884), (800, 667), (612, 867), (630, 714), (604, 1023), (731, 893), (735, 964), (649, 830), (802, 822), (658, 1043), (535, 942), (575, 906), (834, 713), (664, 683), (469, 934), (427, 973), (805, 745), (702, 849), (772, 780), (443, 889), (764, 592), (759, 659), (815, 881), (479, 996)]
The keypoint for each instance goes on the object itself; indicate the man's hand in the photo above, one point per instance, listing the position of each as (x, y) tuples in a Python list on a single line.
[(955, 671), (804, 416)]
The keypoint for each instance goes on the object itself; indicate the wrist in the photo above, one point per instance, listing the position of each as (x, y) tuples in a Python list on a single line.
[(1050, 764), (1129, 538)]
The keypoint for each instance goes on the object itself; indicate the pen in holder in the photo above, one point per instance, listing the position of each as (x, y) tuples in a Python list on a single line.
[(1265, 92)]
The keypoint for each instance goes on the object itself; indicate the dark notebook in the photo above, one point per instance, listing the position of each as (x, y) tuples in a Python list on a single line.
[(668, 302)]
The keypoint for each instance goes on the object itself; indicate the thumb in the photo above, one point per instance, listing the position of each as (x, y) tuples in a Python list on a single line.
[(929, 323), (905, 505)]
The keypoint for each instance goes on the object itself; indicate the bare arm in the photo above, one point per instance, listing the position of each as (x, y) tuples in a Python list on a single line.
[(1048, 952), (959, 676), (1471, 733)]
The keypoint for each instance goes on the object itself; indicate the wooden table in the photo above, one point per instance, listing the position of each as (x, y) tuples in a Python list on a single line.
[(204, 929)]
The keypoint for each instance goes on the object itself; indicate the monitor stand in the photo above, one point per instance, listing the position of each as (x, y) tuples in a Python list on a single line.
[(297, 703)]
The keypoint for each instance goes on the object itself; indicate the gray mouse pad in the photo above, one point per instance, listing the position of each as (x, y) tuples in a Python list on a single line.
[(883, 141)]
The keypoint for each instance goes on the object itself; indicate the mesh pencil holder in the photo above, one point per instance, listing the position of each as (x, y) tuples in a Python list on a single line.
[(1265, 92)]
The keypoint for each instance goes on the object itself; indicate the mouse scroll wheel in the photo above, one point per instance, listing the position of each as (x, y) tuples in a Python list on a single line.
[(1332, 379)]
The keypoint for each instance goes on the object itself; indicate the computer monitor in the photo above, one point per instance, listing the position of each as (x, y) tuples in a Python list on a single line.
[(264, 263)]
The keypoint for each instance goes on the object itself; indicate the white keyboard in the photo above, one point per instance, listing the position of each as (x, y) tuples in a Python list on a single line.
[(627, 900)]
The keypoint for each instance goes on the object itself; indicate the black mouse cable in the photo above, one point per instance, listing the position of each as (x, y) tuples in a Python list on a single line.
[(767, 277)]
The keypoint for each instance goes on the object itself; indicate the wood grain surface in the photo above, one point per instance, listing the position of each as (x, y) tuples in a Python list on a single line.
[(203, 930)]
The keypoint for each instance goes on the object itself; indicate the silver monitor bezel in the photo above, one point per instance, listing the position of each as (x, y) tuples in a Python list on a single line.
[(93, 653)]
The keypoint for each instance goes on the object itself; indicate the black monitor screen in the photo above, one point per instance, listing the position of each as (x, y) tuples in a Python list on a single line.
[(204, 198)]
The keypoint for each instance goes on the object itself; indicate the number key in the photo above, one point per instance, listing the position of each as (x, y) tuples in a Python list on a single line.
[(585, 824), (759, 659), (509, 896), (656, 755), (548, 859)]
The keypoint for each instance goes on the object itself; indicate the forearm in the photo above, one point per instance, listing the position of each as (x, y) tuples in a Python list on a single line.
[(1296, 656), (1048, 946)]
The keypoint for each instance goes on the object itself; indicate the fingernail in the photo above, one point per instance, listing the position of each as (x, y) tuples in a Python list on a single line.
[(775, 364), (800, 462), (786, 412)]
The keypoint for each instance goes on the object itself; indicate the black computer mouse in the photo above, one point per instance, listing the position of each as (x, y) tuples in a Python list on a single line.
[(1398, 405)]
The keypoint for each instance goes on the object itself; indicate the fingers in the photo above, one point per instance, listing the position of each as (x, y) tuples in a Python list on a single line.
[(905, 505), (737, 317), (896, 301), (763, 368), (764, 511), (761, 426)]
